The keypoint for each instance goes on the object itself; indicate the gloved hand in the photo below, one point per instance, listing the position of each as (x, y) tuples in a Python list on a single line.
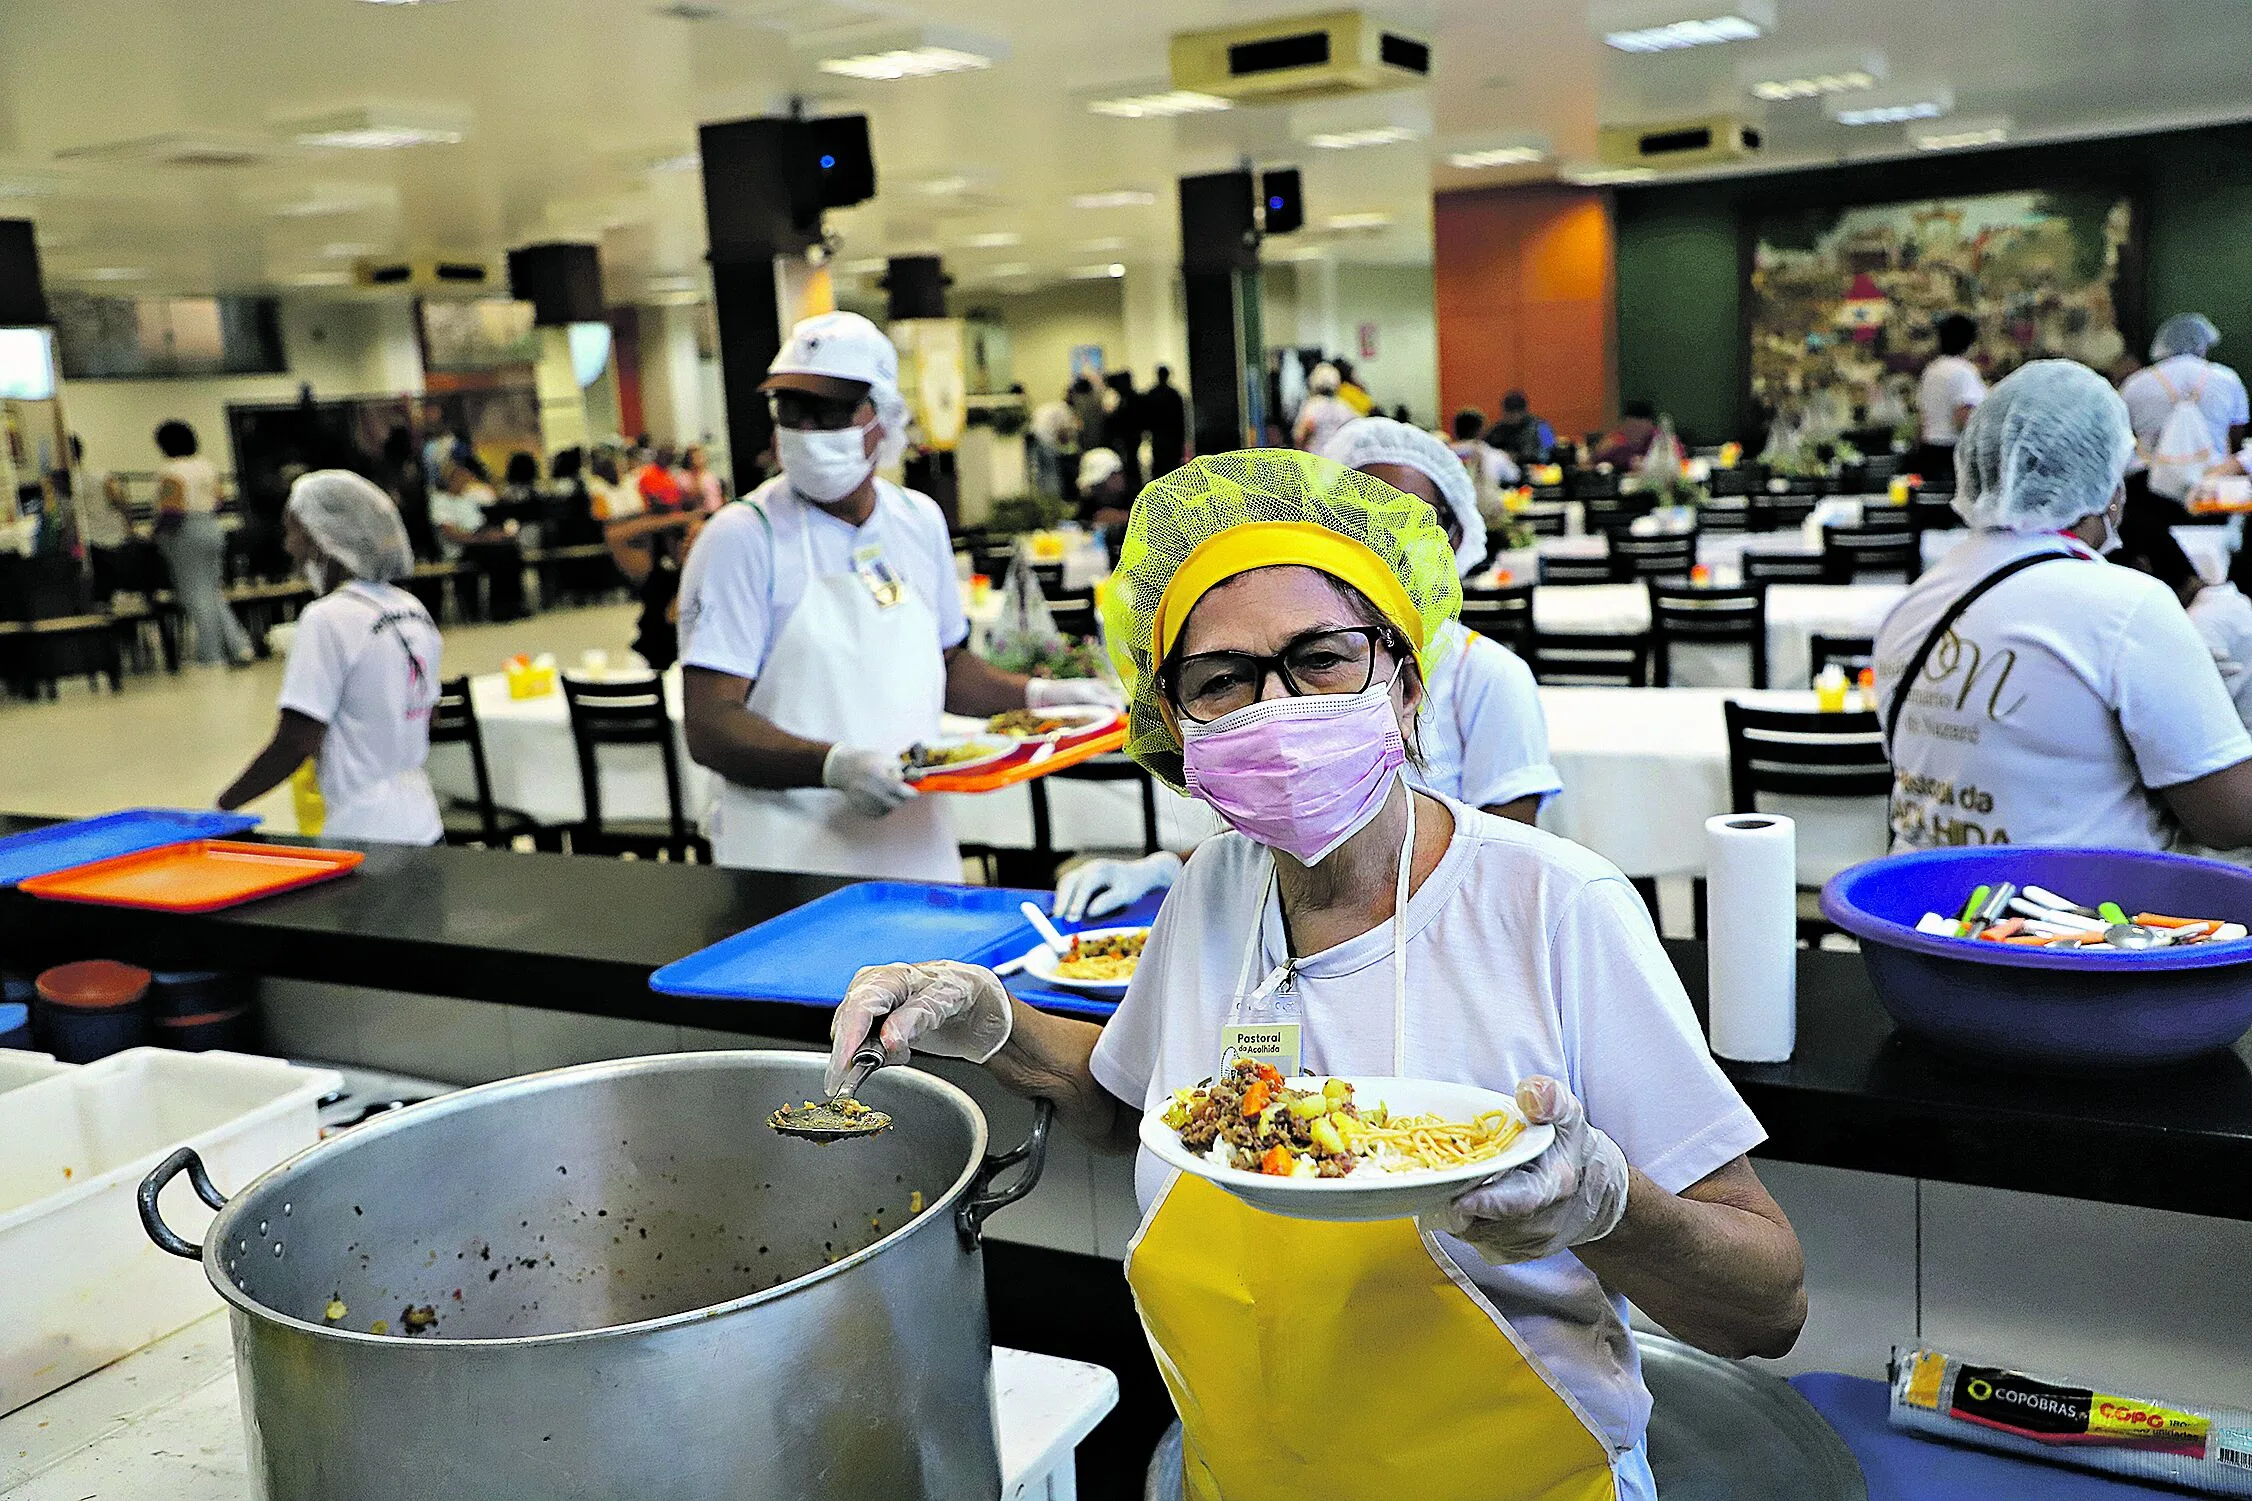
[(1051, 693), (870, 780), (945, 1007), (1570, 1194), (1104, 886)]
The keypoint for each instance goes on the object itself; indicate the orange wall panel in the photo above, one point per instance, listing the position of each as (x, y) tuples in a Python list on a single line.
[(1525, 287)]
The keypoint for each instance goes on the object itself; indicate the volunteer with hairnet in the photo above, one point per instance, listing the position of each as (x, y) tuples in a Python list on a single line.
[(1480, 737), (2173, 452), (1103, 501), (363, 669), (822, 632), (2051, 698), (1276, 618)]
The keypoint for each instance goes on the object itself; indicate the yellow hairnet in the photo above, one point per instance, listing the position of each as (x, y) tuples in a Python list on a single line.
[(1208, 496)]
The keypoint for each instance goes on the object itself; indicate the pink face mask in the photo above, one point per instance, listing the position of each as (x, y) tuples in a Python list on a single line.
[(1302, 775)]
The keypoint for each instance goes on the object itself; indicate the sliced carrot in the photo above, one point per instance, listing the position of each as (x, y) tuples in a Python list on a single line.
[(1276, 1163), (1256, 1097)]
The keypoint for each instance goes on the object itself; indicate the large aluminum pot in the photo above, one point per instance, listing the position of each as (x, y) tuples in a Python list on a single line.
[(634, 1287)]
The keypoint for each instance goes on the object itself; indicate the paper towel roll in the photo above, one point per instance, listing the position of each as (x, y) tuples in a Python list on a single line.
[(1751, 870)]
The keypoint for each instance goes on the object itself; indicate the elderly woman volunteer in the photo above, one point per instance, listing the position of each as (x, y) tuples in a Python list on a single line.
[(2051, 698), (1481, 738), (822, 632), (1276, 618), (363, 669)]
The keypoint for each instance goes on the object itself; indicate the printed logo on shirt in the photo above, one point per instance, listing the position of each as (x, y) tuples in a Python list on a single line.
[(1964, 688)]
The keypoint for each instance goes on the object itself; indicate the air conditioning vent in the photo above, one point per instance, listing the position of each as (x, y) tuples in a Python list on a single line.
[(1704, 141), (1298, 58), (448, 278)]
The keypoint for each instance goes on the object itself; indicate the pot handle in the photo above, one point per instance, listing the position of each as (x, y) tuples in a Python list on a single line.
[(984, 1199), (152, 1218)]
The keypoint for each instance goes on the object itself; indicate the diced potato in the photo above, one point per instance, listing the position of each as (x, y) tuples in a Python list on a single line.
[(1306, 1107), (1327, 1136), (1304, 1167), (1337, 1090)]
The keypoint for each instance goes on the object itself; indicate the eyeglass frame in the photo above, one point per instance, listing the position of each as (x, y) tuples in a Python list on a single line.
[(1384, 636), (809, 404)]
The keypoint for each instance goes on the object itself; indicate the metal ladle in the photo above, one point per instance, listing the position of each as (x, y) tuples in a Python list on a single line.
[(839, 1114)]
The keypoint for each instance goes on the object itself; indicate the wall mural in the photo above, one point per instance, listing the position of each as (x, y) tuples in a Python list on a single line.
[(1843, 300)]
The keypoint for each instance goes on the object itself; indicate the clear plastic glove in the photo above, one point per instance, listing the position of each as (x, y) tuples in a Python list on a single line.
[(870, 780), (1054, 693), (952, 1009), (1570, 1194), (1100, 887)]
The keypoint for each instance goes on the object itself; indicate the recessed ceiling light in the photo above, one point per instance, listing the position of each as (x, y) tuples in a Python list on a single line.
[(1374, 135), (1775, 90), (1011, 268), (1896, 106), (905, 62), (1100, 271), (1603, 177), (1101, 245), (379, 138), (114, 273), (382, 127), (1358, 221), (1120, 198), (1158, 106), (1631, 26), (1000, 239), (1499, 156), (1962, 134), (686, 161)]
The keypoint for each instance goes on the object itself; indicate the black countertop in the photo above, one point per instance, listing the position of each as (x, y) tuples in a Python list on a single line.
[(583, 934)]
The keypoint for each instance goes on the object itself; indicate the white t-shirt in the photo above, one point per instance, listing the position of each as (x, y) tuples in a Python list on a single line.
[(1949, 382), (2223, 617), (1319, 419), (743, 579), (2065, 693), (2219, 391), (464, 512), (364, 662), (1526, 955), (1484, 738), (199, 482), (611, 502), (100, 524)]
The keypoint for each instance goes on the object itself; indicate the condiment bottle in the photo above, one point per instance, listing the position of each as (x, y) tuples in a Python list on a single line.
[(1829, 689), (1866, 683)]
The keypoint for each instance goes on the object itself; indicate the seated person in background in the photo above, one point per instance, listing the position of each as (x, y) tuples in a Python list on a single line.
[(1625, 445), (466, 535), (2072, 703), (702, 488), (1323, 412), (658, 484), (2221, 613), (1480, 457), (1524, 438), (649, 545), (608, 497), (1103, 501)]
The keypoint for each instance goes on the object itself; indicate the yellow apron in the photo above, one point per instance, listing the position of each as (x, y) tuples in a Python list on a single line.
[(1347, 1361)]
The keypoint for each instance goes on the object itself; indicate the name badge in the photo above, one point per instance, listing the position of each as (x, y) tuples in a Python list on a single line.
[(882, 581), (1272, 1043)]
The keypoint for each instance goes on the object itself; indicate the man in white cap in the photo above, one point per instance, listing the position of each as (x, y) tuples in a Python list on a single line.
[(822, 632)]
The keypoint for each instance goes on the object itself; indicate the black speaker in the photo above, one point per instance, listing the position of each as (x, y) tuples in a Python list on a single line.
[(23, 299), (762, 189), (562, 282), (845, 168), (917, 285), (1218, 232), (1278, 196)]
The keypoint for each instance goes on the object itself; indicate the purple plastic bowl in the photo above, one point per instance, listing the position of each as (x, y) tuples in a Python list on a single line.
[(2043, 1008)]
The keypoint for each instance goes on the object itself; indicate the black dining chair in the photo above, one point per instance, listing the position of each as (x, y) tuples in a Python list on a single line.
[(1503, 615), (1780, 513), (1852, 552), (1773, 751), (1575, 570), (1734, 482), (1878, 515), (1074, 614), (1785, 568), (1724, 516), (1576, 660), (1611, 515), (478, 821), (628, 712), (1588, 484), (1545, 521), (1683, 615), (1851, 653), (1670, 556)]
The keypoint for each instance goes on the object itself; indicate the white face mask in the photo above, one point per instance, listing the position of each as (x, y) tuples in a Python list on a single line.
[(824, 466)]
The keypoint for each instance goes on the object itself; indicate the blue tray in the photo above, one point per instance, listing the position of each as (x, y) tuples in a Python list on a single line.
[(810, 954), (38, 852)]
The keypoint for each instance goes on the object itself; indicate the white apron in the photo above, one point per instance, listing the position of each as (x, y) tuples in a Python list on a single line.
[(400, 809), (849, 670)]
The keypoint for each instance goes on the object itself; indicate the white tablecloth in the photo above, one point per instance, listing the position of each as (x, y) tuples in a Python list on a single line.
[(1795, 614), (1643, 768), (2209, 548), (535, 767)]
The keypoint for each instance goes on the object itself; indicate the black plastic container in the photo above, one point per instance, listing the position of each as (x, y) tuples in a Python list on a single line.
[(92, 1009), (196, 992)]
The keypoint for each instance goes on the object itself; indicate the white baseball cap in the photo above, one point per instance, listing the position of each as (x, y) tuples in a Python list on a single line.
[(833, 348)]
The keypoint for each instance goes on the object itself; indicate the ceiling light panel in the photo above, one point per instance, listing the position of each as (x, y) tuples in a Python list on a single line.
[(1372, 135), (1100, 271), (381, 127), (1603, 177), (1813, 85), (1497, 156), (1351, 222), (1000, 239), (1116, 198), (1639, 26), (1161, 106), (1960, 135), (1895, 106), (884, 52)]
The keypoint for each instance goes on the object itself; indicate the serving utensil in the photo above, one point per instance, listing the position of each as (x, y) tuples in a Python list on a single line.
[(837, 1115), (1046, 929)]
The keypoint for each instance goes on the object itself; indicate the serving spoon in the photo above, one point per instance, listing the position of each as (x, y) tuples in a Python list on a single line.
[(838, 1114)]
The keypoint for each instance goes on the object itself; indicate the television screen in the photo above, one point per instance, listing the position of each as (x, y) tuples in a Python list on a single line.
[(128, 338), (481, 334)]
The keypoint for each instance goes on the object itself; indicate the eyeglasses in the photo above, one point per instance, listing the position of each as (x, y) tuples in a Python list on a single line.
[(806, 412), (1214, 684)]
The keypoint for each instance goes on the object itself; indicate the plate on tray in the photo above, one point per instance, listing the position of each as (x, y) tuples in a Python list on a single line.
[(1063, 723), (1365, 1195), (1042, 962), (962, 752)]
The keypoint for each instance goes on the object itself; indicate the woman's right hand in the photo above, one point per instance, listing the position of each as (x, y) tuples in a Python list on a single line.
[(945, 1007)]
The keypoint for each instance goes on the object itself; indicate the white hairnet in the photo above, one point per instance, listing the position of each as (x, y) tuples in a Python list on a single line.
[(2184, 333), (354, 522), (1097, 465), (891, 411), (1323, 379), (1379, 440), (2046, 447)]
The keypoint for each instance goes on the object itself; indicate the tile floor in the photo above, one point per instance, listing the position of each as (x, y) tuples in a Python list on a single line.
[(177, 740)]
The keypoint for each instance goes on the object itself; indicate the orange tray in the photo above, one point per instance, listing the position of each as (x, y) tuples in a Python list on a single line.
[(202, 875), (1018, 767)]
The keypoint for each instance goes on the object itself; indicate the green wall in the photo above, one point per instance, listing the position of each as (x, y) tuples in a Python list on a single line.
[(1682, 252)]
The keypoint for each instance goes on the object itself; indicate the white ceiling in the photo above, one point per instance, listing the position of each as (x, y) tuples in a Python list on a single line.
[(568, 104)]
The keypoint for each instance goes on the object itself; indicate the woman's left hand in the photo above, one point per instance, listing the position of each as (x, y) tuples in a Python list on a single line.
[(1570, 1194)]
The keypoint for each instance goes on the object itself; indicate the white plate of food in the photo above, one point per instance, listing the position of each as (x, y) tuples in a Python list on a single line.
[(953, 753), (1395, 1148), (1101, 961), (1033, 726)]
